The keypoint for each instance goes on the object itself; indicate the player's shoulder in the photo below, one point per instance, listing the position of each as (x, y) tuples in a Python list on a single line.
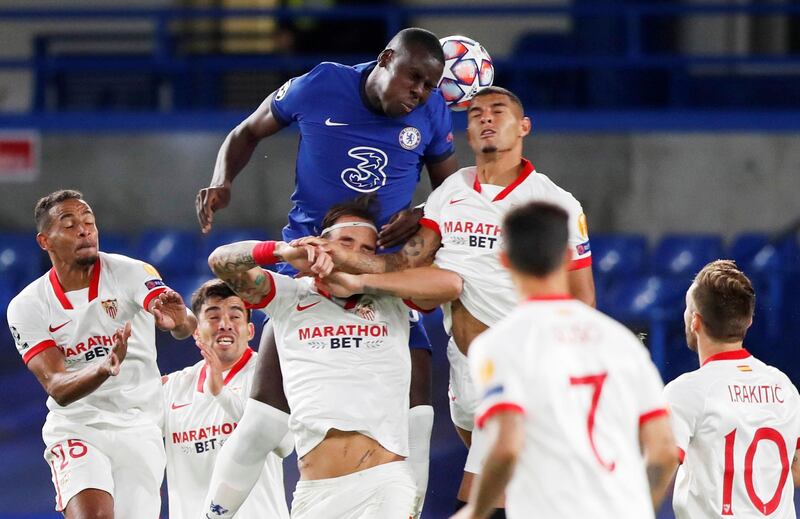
[(510, 328), (690, 385), (773, 371), (547, 187), (120, 261), (30, 299), (183, 376), (463, 178), (328, 69)]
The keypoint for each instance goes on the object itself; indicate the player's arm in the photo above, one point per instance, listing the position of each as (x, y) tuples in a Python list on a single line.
[(171, 314), (425, 287), (439, 171), (233, 156), (796, 469), (660, 456), (581, 285), (507, 438), (66, 387)]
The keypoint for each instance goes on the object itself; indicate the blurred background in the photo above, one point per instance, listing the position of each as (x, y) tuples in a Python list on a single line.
[(676, 124)]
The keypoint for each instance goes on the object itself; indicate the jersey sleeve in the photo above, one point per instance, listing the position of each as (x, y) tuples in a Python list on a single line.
[(28, 327), (140, 280), (685, 406), (294, 96), (497, 385), (441, 144), (578, 235), (431, 217), (284, 292), (649, 387)]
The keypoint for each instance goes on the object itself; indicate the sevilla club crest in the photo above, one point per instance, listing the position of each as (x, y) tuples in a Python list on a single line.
[(366, 310), (110, 306)]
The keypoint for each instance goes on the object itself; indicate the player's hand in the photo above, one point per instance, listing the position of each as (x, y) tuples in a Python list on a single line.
[(337, 253), (169, 310), (210, 200), (119, 350), (400, 228), (213, 368), (306, 258), (342, 284)]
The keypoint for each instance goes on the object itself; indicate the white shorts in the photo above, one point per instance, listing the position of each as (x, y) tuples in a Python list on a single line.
[(463, 400), (383, 492), (126, 463)]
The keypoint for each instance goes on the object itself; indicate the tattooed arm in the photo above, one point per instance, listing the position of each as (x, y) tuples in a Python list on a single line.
[(418, 251)]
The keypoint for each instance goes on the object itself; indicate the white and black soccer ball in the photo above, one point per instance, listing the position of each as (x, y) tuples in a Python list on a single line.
[(468, 68)]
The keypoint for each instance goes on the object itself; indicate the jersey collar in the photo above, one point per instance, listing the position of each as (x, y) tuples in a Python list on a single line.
[(527, 169), (94, 283), (348, 303), (236, 368), (728, 355)]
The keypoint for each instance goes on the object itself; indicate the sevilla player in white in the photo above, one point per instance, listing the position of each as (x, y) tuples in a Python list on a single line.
[(736, 419), (85, 329), (572, 402), (461, 232), (346, 373), (204, 402)]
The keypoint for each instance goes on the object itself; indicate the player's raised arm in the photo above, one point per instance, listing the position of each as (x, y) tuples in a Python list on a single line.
[(66, 387), (171, 314), (233, 156)]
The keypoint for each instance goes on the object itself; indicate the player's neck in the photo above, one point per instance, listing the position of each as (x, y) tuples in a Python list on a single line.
[(531, 287), (707, 348), (72, 276), (499, 168)]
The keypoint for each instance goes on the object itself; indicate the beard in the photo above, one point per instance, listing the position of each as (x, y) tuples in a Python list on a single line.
[(491, 148), (691, 340), (86, 261)]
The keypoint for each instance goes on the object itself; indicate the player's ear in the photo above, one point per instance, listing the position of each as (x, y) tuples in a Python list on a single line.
[(251, 331), (525, 126), (385, 57), (696, 323), (41, 239)]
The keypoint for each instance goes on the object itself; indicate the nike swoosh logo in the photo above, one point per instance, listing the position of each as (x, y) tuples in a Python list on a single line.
[(457, 201), (300, 308), (179, 406), (55, 329), (328, 122)]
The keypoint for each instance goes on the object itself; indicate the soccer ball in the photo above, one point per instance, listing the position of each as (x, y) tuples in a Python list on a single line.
[(467, 69)]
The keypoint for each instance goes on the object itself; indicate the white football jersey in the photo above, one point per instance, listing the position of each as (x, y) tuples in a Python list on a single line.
[(196, 425), (345, 363), (81, 324), (469, 216), (585, 385), (737, 423)]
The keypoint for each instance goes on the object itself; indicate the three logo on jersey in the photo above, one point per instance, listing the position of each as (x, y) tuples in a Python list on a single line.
[(473, 234), (369, 175)]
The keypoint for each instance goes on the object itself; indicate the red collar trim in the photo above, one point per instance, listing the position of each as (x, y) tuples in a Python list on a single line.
[(236, 368), (94, 284), (551, 297), (728, 355), (527, 169), (349, 303)]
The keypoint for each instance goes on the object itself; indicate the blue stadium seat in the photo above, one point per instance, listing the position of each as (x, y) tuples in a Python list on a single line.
[(225, 236), (683, 255), (754, 252), (635, 300), (117, 243), (619, 254), (172, 252), (21, 259), (185, 285)]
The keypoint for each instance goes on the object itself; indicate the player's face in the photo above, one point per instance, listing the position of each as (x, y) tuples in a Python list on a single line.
[(223, 325), (412, 75), (359, 239), (495, 124), (72, 234), (688, 316)]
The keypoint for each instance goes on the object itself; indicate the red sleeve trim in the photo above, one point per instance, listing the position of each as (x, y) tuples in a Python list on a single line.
[(152, 295), (409, 303), (581, 263), (798, 444), (502, 407), (681, 455), (267, 299), (430, 224), (650, 415), (36, 350)]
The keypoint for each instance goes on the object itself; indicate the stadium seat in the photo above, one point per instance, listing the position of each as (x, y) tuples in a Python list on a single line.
[(224, 236), (185, 285), (172, 252), (635, 300), (754, 252), (21, 259), (683, 255), (117, 243)]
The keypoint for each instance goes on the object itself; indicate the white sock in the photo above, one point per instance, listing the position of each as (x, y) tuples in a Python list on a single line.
[(242, 458), (420, 425)]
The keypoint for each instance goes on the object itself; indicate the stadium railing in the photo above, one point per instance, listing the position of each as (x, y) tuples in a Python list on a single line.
[(604, 65)]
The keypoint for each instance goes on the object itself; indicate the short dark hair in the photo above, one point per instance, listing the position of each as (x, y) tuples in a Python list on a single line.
[(209, 289), (41, 214), (725, 299), (420, 38), (364, 207), (535, 237), (501, 91)]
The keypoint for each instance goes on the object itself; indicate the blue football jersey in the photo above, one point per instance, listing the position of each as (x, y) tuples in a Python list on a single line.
[(347, 148)]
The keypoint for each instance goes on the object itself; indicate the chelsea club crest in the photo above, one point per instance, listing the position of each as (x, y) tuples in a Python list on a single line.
[(410, 137)]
